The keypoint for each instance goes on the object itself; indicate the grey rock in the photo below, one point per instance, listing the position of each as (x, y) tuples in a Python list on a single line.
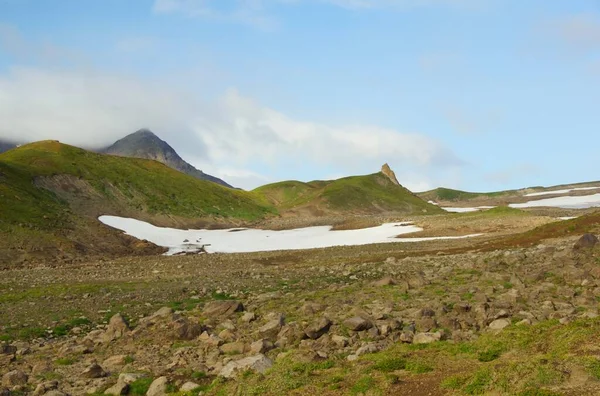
[(317, 329), (93, 371), (14, 378), (158, 387), (357, 324), (258, 363), (222, 308)]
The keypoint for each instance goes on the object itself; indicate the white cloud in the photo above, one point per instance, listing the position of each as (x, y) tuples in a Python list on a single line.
[(578, 32), (94, 109)]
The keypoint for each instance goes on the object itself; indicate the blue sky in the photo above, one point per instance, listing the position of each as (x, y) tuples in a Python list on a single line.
[(472, 94)]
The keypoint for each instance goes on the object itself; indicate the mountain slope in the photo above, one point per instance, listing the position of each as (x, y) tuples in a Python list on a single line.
[(145, 144), (51, 195), (5, 145), (369, 194)]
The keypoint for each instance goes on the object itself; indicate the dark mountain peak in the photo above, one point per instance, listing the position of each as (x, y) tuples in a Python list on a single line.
[(145, 144)]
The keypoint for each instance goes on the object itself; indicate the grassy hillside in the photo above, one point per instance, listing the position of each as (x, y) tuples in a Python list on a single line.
[(373, 193), (448, 194), (53, 192)]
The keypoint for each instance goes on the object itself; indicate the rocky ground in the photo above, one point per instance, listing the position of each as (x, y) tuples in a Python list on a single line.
[(417, 319)]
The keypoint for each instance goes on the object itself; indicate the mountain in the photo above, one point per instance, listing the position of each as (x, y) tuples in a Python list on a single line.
[(370, 194), (51, 195), (145, 144), (5, 145)]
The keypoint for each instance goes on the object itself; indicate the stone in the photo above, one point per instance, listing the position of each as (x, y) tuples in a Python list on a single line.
[(117, 327), (158, 387), (369, 348), (499, 324), (586, 241), (45, 387), (114, 362), (261, 346), (248, 317), (258, 363), (317, 329), (387, 281), (524, 322), (427, 338), (340, 341), (407, 337), (14, 378), (188, 387), (120, 388), (270, 329), (234, 348), (357, 324), (6, 349), (184, 330), (93, 371), (41, 368), (222, 308)]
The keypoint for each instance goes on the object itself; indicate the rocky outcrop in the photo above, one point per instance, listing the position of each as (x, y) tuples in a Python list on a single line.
[(389, 173)]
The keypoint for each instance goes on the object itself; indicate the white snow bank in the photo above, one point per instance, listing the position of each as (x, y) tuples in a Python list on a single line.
[(251, 240), (582, 202), (466, 210), (537, 194)]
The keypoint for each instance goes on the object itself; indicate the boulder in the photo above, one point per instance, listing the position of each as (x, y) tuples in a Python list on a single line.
[(357, 323), (45, 387), (234, 348), (115, 362), (222, 308), (117, 327), (93, 371), (499, 324), (317, 329), (586, 241), (261, 346), (270, 329), (369, 348), (258, 363), (427, 338), (14, 378), (184, 330), (188, 387), (158, 387), (387, 281)]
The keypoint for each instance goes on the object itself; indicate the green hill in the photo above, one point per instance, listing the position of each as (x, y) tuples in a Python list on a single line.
[(442, 194), (370, 194), (52, 193)]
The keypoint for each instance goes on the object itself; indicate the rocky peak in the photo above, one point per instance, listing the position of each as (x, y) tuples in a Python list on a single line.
[(386, 170)]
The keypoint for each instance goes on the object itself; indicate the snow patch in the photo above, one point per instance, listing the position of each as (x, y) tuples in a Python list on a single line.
[(537, 194), (581, 202), (466, 210), (253, 240)]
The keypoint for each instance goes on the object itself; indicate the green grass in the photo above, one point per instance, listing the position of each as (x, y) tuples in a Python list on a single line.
[(140, 386), (365, 194), (64, 361), (448, 194), (363, 385)]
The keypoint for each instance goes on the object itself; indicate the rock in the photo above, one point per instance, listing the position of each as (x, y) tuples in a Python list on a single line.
[(93, 371), (524, 322), (115, 362), (41, 368), (234, 348), (317, 329), (357, 324), (311, 308), (369, 348), (407, 337), (261, 346), (158, 387), (586, 241), (55, 393), (270, 329), (248, 317), (188, 387), (6, 349), (340, 341), (387, 281), (222, 308), (164, 312), (14, 378), (184, 330), (118, 389), (427, 338), (45, 387), (117, 327), (499, 324), (259, 363)]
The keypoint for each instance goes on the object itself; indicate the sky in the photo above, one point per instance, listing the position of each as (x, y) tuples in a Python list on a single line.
[(480, 95)]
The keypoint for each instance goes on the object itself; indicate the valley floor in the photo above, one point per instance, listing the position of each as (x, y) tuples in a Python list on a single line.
[(508, 313)]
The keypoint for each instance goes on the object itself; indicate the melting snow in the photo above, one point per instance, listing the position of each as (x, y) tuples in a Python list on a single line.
[(465, 210), (582, 202), (560, 191), (251, 240)]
